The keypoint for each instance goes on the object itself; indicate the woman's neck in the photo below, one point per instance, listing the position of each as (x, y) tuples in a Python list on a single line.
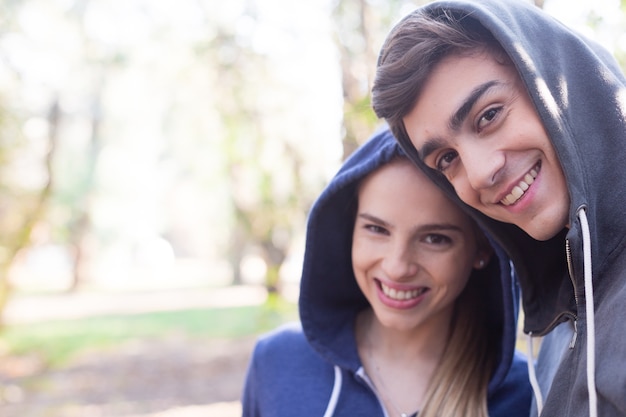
[(424, 343), (399, 363)]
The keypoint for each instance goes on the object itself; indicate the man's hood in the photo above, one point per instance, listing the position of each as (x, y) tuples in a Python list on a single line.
[(578, 90)]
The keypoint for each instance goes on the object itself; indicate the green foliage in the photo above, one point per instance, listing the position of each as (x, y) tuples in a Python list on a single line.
[(58, 341)]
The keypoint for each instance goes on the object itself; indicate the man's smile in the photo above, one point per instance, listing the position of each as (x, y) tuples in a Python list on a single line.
[(518, 191)]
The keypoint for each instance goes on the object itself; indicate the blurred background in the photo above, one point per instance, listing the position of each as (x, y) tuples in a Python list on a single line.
[(157, 162)]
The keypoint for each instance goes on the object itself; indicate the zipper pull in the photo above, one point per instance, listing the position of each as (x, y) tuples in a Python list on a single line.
[(568, 255), (570, 270)]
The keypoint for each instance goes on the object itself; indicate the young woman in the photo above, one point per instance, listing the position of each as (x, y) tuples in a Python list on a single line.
[(405, 307)]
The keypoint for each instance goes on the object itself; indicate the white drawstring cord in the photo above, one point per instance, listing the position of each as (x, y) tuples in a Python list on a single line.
[(334, 396), (532, 376), (591, 327)]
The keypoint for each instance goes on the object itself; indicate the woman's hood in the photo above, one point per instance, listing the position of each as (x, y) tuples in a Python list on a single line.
[(329, 295)]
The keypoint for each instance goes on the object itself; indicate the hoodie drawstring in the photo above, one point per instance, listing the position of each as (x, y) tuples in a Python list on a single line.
[(589, 309), (334, 396), (532, 376), (591, 329)]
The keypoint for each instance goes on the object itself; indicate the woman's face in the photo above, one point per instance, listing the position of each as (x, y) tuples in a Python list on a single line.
[(413, 249)]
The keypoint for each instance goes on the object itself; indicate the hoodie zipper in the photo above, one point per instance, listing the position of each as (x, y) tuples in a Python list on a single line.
[(570, 271)]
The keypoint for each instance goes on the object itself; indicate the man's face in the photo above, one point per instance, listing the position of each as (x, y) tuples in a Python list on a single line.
[(475, 123)]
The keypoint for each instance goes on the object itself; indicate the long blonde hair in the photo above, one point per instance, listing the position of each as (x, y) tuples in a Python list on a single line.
[(459, 384)]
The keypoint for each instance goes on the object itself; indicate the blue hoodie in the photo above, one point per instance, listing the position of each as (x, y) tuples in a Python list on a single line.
[(313, 368)]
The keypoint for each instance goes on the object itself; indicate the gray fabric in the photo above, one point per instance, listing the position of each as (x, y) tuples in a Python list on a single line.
[(578, 90)]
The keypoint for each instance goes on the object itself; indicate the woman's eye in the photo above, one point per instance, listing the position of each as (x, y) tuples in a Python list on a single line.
[(445, 160), (376, 229), (487, 117), (437, 239)]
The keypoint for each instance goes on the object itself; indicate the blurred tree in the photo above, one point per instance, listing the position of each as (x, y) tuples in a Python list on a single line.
[(172, 98), (75, 198), (72, 197), (22, 206), (360, 27), (23, 197), (355, 39), (267, 194)]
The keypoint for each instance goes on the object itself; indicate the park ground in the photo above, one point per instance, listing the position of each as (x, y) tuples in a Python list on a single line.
[(171, 376)]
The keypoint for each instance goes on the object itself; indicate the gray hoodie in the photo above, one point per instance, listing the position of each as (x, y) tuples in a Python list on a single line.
[(579, 92)]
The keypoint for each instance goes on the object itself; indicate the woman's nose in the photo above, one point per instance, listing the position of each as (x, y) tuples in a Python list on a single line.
[(400, 262)]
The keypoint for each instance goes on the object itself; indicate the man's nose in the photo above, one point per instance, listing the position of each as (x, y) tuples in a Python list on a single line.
[(482, 165)]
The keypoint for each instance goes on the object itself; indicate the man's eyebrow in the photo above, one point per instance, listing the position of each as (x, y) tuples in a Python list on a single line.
[(457, 119), (460, 115)]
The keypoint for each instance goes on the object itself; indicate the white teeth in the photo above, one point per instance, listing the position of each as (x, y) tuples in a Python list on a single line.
[(399, 294), (518, 191)]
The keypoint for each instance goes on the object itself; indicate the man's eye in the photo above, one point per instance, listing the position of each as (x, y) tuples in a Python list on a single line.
[(445, 160), (487, 117)]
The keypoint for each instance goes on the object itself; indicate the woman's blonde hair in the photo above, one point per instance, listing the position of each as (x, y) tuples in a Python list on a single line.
[(459, 385)]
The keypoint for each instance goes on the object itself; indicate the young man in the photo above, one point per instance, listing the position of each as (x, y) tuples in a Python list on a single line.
[(525, 121)]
